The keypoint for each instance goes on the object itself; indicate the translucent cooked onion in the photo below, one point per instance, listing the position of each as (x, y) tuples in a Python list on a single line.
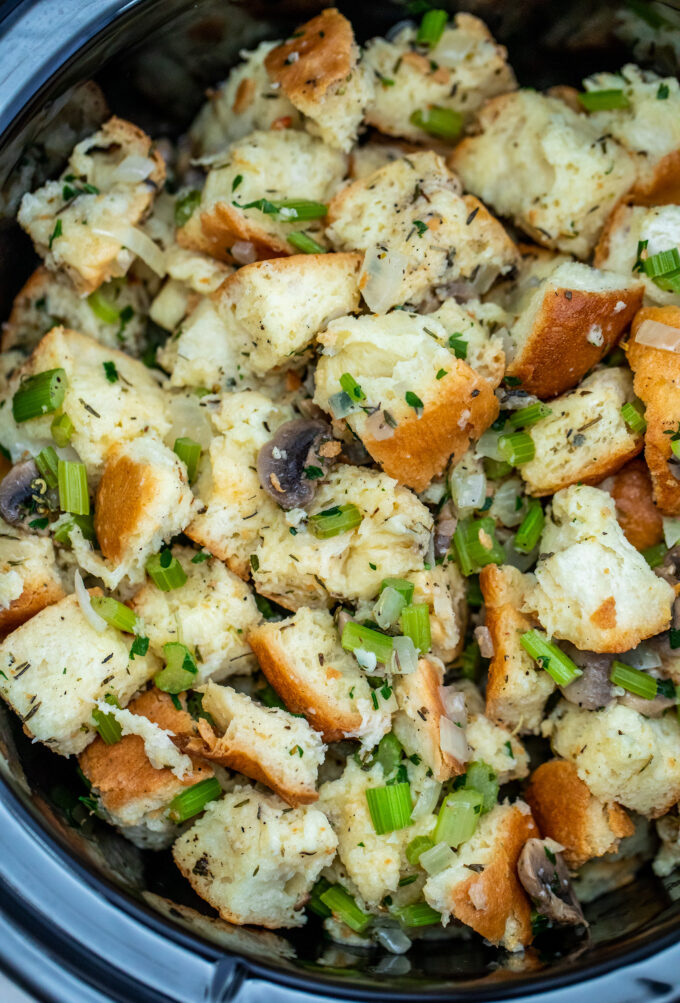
[(94, 619), (133, 168), (427, 799), (384, 271), (139, 243), (452, 740), (658, 335), (244, 251)]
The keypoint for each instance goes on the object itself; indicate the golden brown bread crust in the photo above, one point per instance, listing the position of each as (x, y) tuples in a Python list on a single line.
[(420, 708), (464, 406), (557, 353), (636, 513), (567, 812), (664, 186), (214, 232), (31, 601), (124, 490), (326, 55), (657, 384)]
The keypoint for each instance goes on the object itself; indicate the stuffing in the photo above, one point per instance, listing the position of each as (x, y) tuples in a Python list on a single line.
[(627, 227), (104, 413), (546, 167), (593, 588), (216, 610), (391, 541), (649, 127), (424, 404), (566, 811), (131, 792), (636, 513), (55, 668), (304, 661), (481, 888), (442, 587), (657, 384), (491, 743), (273, 166), (319, 71), (464, 69), (621, 755), (668, 856), (409, 217), (116, 316), (267, 744), (79, 223), (29, 577), (418, 723), (585, 438), (255, 859), (516, 691)]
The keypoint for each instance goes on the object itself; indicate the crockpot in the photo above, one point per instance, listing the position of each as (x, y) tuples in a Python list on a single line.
[(84, 915)]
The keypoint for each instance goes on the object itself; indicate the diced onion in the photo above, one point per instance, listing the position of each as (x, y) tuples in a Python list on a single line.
[(133, 168), (437, 859), (427, 800), (384, 271), (139, 243), (658, 335), (404, 659), (94, 619), (244, 251), (671, 531), (393, 939), (483, 639), (452, 740)]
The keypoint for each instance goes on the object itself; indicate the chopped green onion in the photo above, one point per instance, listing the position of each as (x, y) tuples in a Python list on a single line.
[(550, 657), (388, 608), (72, 480), (633, 417), (103, 308), (445, 123), (185, 206), (107, 726), (432, 27), (165, 571), (351, 387), (471, 661), (354, 636), (417, 846), (400, 585), (62, 429), (531, 527), (39, 394), (458, 817), (314, 902), (415, 623), (47, 463), (516, 448), (304, 243), (633, 680), (603, 100), (655, 555), (527, 416), (390, 807), (115, 613), (194, 799), (333, 521), (344, 908), (189, 452), (437, 859), (180, 669), (475, 545), (388, 753), (417, 914), (459, 346), (480, 777)]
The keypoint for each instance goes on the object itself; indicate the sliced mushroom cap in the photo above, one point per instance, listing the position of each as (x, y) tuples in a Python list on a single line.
[(16, 490), (592, 690), (444, 528), (298, 445), (545, 878)]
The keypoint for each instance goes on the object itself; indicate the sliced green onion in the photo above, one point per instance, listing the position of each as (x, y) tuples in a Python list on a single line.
[(459, 346), (304, 243), (62, 429), (458, 817), (354, 636), (527, 416), (480, 777), (655, 555), (333, 521), (475, 544), (633, 680), (517, 447), (415, 623), (165, 571), (416, 847), (388, 608), (107, 726), (194, 799), (388, 753), (633, 417), (72, 480), (47, 463), (445, 123), (351, 387), (344, 908), (180, 669), (437, 859), (189, 452), (531, 527), (314, 902), (390, 807), (603, 100), (417, 914), (39, 394), (432, 27), (103, 308), (185, 206), (550, 657), (400, 585), (115, 613), (471, 661)]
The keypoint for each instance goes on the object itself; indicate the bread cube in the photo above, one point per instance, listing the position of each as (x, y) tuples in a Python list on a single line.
[(442, 587), (546, 167), (636, 513), (481, 888), (417, 722), (55, 668), (594, 589), (419, 233), (29, 577), (304, 661), (627, 227), (585, 438), (319, 71), (255, 859), (79, 223)]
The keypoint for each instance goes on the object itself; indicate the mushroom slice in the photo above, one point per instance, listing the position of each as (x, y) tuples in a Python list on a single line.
[(17, 489), (545, 878), (593, 689), (293, 462)]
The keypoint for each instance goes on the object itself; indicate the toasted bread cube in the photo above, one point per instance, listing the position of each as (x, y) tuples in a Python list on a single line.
[(657, 384), (435, 403), (272, 165), (546, 167), (463, 70), (566, 811), (255, 859), (668, 855), (417, 722), (248, 99), (131, 791), (621, 755), (390, 542), (319, 71), (442, 587), (57, 666), (267, 744), (407, 217), (481, 889), (104, 413), (585, 438), (304, 661), (216, 611), (627, 227), (516, 691), (491, 743), (577, 314), (636, 513), (29, 577), (236, 506), (79, 222), (649, 127), (594, 589)]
